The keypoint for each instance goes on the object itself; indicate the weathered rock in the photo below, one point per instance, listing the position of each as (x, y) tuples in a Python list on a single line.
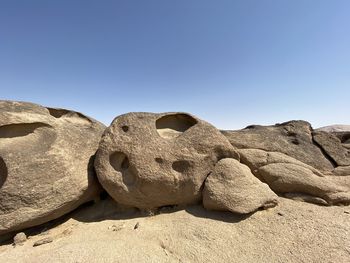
[(332, 147), (19, 239), (335, 128), (293, 138), (149, 160), (46, 163), (43, 241), (256, 158), (286, 175), (343, 136), (232, 186), (342, 170)]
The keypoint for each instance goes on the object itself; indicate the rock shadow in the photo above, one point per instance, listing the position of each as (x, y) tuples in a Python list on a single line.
[(224, 216), (3, 172)]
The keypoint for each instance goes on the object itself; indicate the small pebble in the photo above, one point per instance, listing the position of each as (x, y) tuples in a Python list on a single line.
[(280, 214), (19, 239), (116, 228), (137, 225), (43, 241)]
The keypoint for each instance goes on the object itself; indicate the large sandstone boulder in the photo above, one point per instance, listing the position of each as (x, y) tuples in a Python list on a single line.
[(287, 175), (232, 187), (293, 138), (46, 163), (148, 160)]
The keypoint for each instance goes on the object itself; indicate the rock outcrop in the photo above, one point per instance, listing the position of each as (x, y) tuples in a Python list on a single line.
[(232, 187), (149, 160), (287, 175), (293, 138), (332, 147), (46, 163)]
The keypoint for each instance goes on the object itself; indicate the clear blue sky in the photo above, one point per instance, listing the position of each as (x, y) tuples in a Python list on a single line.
[(232, 63)]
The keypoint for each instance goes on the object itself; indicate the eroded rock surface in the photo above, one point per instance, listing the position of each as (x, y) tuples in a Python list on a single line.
[(287, 175), (148, 160), (232, 186), (333, 148), (46, 163), (293, 138)]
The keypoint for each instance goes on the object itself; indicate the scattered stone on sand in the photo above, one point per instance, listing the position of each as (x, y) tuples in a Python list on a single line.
[(149, 160), (19, 239), (43, 241), (46, 163), (137, 225), (116, 228), (232, 187)]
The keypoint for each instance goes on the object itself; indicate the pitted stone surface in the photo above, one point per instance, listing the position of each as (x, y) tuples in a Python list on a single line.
[(148, 160)]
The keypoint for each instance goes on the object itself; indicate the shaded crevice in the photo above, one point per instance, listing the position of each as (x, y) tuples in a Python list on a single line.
[(58, 113), (325, 154), (173, 125), (3, 172), (20, 129), (120, 162), (181, 166), (201, 188)]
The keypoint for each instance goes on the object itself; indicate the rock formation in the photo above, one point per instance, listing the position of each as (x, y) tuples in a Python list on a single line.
[(293, 138), (232, 187), (46, 163), (297, 161), (149, 160)]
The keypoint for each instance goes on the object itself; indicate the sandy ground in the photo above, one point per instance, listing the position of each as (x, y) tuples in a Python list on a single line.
[(292, 232)]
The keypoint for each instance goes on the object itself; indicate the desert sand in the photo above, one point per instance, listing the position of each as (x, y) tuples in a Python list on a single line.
[(103, 232)]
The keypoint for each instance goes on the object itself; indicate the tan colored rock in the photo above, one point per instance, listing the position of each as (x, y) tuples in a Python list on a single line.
[(46, 163), (292, 178), (287, 175), (293, 138), (232, 187), (256, 158), (149, 160), (342, 170), (19, 239)]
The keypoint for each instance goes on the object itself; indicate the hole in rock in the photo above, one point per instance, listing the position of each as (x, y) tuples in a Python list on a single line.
[(125, 128), (104, 195), (295, 141), (20, 129), (119, 161), (249, 127), (3, 172), (58, 113), (181, 166), (173, 125), (345, 138), (159, 160)]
